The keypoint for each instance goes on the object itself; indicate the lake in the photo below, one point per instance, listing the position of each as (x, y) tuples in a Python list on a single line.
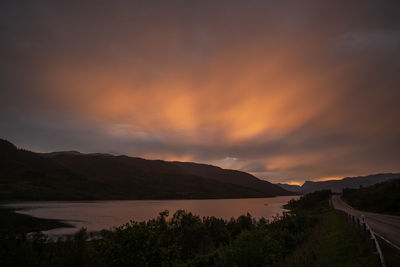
[(98, 215)]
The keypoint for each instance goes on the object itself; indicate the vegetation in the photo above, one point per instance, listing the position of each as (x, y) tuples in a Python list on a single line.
[(333, 242), (26, 175), (311, 234), (312, 203), (183, 240), (382, 198)]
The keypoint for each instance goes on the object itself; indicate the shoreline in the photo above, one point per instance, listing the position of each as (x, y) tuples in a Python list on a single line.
[(5, 202), (11, 221), (30, 222)]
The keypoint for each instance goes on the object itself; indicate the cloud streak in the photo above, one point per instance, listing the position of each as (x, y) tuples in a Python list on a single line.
[(286, 91)]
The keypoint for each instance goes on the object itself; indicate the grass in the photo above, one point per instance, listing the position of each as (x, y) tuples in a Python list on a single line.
[(391, 254), (333, 242)]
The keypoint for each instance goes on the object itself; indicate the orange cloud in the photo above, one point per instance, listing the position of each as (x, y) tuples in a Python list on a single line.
[(287, 93)]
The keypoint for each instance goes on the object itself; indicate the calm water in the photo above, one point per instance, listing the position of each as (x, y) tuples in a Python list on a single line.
[(98, 215)]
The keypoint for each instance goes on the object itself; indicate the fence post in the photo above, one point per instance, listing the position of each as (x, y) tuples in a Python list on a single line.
[(363, 226)]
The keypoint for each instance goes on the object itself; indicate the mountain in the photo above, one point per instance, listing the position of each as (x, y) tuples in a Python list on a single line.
[(71, 175), (231, 176), (290, 187), (337, 186)]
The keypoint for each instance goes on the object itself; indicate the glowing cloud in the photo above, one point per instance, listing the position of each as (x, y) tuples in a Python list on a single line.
[(287, 93)]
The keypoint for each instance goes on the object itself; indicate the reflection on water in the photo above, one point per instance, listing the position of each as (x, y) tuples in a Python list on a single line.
[(98, 215)]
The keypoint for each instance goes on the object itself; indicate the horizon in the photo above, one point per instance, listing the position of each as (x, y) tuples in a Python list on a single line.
[(297, 183), (285, 92)]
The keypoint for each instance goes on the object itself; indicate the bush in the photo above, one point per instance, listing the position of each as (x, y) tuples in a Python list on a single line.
[(184, 240)]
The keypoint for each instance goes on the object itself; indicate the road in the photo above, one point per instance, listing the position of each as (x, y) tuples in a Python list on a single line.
[(386, 226)]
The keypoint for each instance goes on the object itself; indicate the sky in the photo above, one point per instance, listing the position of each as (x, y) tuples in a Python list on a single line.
[(286, 90)]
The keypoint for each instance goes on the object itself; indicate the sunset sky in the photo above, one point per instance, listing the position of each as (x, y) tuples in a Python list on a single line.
[(287, 90)]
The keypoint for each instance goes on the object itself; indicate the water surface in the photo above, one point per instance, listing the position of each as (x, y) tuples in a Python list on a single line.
[(98, 215)]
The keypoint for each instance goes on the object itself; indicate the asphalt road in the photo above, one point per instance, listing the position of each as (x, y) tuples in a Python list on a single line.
[(387, 226)]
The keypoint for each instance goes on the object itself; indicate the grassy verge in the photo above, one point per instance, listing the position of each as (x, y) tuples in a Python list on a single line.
[(21, 223), (333, 242)]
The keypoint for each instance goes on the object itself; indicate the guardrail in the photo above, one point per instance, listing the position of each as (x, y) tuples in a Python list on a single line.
[(362, 226)]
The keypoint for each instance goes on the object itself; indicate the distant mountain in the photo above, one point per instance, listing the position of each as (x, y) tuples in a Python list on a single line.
[(72, 175), (337, 186), (348, 182), (290, 187)]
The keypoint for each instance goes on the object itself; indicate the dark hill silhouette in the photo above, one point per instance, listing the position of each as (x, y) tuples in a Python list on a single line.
[(72, 175), (290, 187), (337, 186), (381, 197), (231, 176)]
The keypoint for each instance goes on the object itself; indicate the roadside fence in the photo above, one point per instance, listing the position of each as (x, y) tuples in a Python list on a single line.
[(360, 224)]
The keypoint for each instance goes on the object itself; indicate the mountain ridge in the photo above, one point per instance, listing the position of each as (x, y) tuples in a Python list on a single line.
[(337, 186), (290, 187), (72, 175)]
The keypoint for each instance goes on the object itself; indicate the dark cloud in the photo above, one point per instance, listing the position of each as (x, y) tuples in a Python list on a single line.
[(286, 90)]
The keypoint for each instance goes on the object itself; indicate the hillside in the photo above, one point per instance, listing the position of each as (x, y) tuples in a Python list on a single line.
[(337, 186), (231, 176), (290, 187), (381, 198), (71, 175)]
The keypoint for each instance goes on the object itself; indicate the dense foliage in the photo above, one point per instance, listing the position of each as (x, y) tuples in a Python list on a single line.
[(383, 197), (310, 203), (182, 240), (187, 239)]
